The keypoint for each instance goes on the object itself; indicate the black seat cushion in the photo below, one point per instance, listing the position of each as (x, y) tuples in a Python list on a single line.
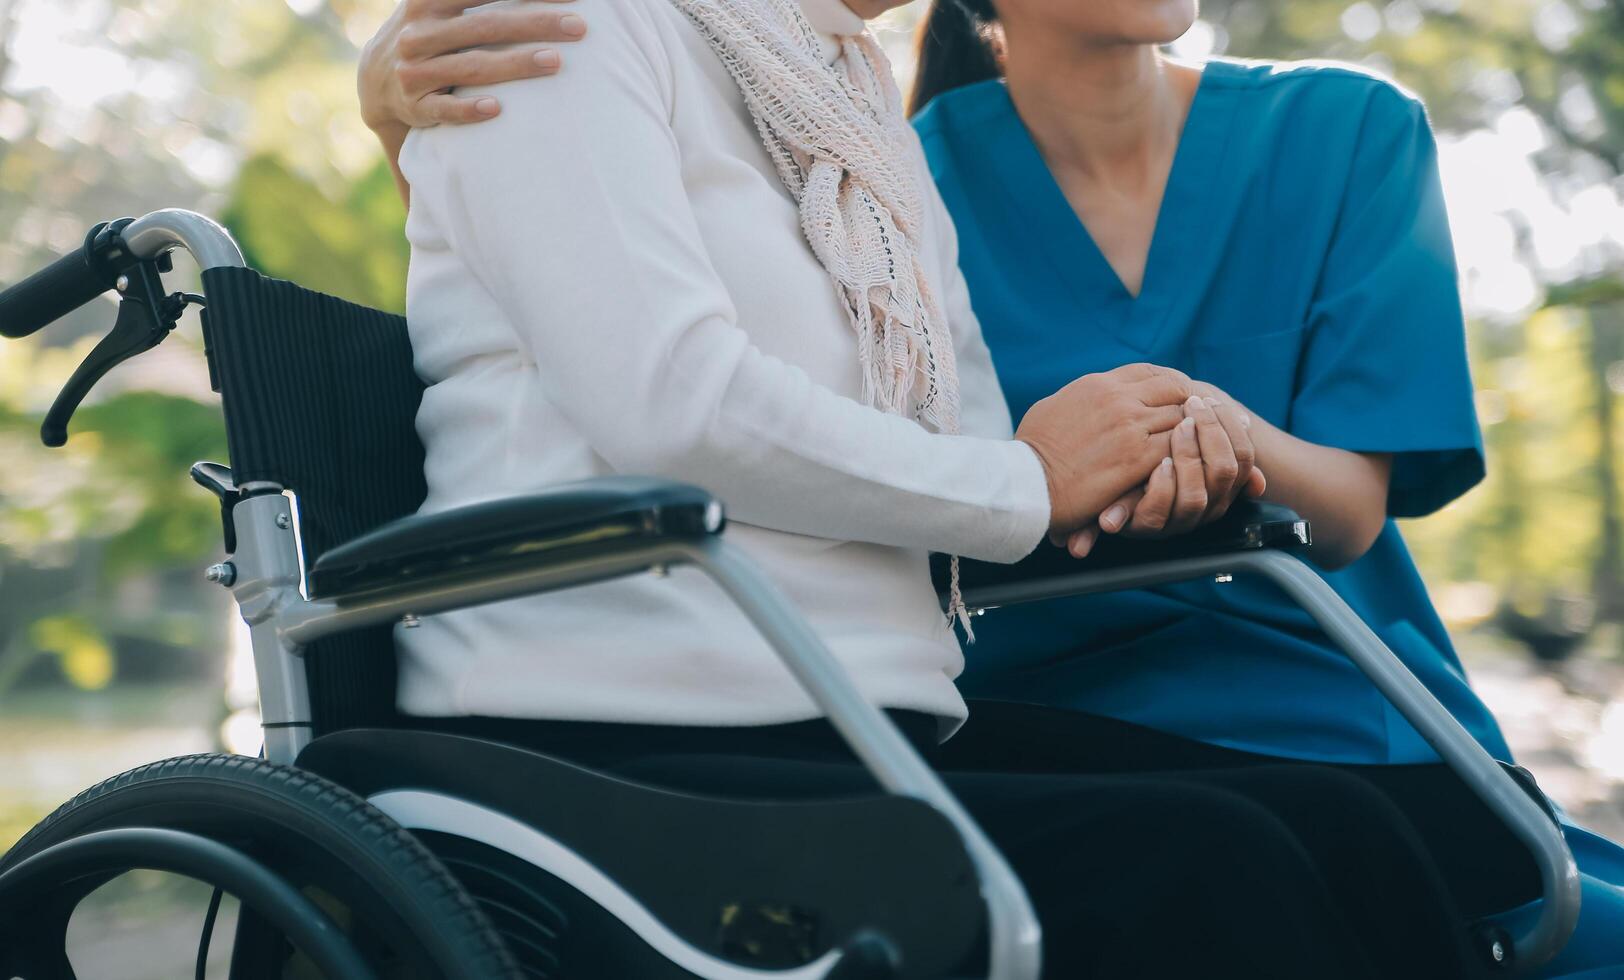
[(831, 867), (498, 532)]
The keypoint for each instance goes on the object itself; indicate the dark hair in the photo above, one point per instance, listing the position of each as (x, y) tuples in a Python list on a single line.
[(951, 49)]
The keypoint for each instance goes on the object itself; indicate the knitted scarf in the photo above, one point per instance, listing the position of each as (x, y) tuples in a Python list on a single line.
[(843, 148)]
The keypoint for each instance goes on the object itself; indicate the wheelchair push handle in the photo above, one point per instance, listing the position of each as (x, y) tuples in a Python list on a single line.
[(66, 284), (129, 255)]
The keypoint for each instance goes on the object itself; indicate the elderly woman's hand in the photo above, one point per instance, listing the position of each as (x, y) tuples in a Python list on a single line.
[(1099, 435), (427, 48)]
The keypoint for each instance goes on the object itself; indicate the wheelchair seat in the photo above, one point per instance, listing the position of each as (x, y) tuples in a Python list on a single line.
[(764, 884)]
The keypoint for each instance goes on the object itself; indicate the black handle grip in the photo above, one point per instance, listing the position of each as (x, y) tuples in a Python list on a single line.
[(56, 290)]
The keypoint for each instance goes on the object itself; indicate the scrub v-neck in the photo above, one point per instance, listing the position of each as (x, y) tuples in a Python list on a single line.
[(1176, 241)]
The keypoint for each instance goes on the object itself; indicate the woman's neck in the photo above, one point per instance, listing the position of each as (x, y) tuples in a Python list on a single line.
[(1107, 111)]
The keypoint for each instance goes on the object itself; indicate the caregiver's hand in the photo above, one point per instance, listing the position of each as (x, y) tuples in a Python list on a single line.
[(1211, 463), (427, 48), (1228, 461), (1098, 437), (1236, 423)]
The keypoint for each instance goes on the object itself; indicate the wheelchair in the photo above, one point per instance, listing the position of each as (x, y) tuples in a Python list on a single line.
[(359, 846)]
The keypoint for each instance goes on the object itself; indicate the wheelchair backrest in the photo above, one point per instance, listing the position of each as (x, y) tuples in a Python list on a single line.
[(320, 397)]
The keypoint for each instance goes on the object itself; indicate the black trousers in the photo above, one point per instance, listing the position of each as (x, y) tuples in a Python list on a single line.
[(1486, 869), (1258, 871)]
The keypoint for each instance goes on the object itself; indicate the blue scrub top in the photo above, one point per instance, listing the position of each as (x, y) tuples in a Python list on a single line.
[(1302, 262)]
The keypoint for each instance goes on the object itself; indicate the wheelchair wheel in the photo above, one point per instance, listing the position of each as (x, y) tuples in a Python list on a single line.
[(402, 909)]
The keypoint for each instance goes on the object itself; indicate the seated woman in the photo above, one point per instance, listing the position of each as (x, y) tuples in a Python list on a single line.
[(1277, 231), (712, 252)]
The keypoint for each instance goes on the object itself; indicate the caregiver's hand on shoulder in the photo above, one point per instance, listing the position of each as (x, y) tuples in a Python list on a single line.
[(1098, 437), (427, 48)]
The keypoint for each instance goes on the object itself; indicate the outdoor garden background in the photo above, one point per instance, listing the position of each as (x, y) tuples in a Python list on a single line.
[(113, 651)]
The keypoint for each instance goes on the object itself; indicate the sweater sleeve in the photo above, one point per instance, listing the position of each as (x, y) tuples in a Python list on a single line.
[(571, 211)]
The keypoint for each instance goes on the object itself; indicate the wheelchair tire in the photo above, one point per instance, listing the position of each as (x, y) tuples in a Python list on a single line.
[(395, 898)]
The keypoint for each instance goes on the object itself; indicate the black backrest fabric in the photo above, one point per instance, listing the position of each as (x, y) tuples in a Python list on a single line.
[(320, 397)]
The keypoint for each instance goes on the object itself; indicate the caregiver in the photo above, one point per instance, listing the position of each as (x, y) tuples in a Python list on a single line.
[(1279, 232)]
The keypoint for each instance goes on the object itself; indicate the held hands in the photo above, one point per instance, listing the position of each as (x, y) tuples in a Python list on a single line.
[(1100, 435), (427, 48), (1213, 462)]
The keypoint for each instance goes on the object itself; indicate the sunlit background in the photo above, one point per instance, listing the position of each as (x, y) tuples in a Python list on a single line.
[(114, 652)]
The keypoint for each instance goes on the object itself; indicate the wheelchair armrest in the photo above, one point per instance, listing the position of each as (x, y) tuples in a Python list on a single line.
[(583, 518), (1249, 525)]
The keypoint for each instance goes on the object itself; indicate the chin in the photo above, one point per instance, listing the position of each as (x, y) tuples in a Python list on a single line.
[(1108, 22), (869, 9), (1158, 21), (1117, 21)]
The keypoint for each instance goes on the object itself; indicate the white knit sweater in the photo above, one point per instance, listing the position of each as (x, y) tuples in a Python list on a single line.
[(611, 278)]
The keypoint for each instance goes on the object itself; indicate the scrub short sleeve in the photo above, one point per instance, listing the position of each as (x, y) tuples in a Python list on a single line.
[(1384, 365)]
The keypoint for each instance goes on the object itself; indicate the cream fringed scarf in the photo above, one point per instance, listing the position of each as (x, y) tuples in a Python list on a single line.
[(841, 143)]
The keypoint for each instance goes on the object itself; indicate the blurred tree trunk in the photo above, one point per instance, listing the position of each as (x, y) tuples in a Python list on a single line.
[(1602, 299), (8, 29), (8, 19), (1604, 353)]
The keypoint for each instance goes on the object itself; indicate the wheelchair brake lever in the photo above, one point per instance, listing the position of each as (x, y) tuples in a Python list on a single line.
[(145, 317)]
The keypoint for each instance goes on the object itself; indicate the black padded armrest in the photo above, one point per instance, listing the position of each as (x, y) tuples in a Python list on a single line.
[(1248, 525), (573, 518)]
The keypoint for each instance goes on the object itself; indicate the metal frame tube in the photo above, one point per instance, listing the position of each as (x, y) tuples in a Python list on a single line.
[(308, 621), (267, 569), (1014, 937), (1559, 877), (157, 232)]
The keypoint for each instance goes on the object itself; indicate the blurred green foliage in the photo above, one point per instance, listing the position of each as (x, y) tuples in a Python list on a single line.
[(351, 247), (1547, 518), (241, 110)]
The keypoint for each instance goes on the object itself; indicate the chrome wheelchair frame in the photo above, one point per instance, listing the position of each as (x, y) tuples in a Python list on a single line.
[(266, 576)]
